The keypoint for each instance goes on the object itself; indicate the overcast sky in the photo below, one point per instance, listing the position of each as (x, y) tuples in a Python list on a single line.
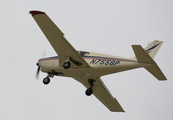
[(93, 25)]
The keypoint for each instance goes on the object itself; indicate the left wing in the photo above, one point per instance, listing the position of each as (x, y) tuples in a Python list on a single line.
[(102, 93), (56, 38)]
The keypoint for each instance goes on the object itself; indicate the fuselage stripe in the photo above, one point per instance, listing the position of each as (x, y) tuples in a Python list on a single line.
[(91, 57)]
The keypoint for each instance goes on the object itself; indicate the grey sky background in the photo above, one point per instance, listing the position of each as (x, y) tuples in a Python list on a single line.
[(93, 25)]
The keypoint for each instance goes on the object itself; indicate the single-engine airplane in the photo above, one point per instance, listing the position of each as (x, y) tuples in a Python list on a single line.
[(87, 67)]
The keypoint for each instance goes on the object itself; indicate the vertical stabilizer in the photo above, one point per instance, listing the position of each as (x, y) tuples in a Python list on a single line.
[(153, 48)]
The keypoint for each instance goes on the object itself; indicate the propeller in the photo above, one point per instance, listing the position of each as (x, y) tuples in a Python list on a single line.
[(38, 70)]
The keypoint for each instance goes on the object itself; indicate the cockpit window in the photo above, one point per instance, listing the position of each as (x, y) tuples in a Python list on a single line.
[(83, 53)]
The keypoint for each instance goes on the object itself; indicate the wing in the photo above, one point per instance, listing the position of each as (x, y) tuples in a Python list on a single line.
[(56, 38), (102, 93)]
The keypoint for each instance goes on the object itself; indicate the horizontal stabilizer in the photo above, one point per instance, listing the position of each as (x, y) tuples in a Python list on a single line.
[(143, 57)]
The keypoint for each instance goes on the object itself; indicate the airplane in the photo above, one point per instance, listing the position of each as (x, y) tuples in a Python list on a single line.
[(87, 67)]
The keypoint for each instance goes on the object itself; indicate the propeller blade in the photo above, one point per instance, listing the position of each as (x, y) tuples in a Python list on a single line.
[(37, 74), (38, 70), (44, 54)]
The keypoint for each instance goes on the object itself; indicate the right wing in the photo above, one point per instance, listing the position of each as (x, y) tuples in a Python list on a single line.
[(56, 38), (102, 93)]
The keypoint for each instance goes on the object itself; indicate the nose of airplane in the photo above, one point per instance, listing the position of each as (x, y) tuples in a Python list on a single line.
[(41, 65)]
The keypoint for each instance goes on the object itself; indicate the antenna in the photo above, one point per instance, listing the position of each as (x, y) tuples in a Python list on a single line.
[(107, 50)]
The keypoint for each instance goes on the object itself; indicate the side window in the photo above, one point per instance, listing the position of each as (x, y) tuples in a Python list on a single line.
[(83, 53)]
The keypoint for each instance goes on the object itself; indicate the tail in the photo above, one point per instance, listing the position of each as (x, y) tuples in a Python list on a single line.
[(143, 57)]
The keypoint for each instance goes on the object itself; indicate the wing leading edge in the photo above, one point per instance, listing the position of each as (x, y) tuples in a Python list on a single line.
[(101, 92), (56, 38)]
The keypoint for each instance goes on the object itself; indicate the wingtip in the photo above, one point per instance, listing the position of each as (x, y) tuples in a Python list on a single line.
[(118, 111), (35, 12)]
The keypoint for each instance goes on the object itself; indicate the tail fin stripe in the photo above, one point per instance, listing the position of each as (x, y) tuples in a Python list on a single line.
[(152, 48)]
